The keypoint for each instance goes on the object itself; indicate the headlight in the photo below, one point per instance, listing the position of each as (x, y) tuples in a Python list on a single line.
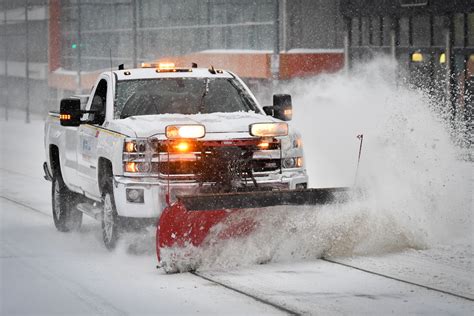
[(135, 145), (268, 129), (185, 131), (137, 167), (137, 154), (297, 142), (289, 163), (292, 162)]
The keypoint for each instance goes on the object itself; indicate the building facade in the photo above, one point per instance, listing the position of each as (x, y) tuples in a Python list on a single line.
[(54, 48), (23, 55), (70, 41), (433, 42)]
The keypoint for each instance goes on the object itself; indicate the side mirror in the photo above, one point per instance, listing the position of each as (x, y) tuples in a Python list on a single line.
[(70, 112), (282, 108), (268, 110)]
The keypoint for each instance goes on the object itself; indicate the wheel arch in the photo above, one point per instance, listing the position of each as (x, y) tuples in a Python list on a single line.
[(105, 173), (54, 161)]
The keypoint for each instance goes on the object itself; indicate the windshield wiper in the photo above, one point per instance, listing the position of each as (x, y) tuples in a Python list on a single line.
[(244, 96), (206, 91)]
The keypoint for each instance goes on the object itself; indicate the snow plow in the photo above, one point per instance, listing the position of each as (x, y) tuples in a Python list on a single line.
[(228, 204), (203, 220)]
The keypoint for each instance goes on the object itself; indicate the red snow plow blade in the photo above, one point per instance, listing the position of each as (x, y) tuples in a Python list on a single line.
[(195, 220)]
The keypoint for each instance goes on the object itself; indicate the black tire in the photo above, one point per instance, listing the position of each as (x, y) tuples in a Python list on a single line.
[(111, 226), (66, 216)]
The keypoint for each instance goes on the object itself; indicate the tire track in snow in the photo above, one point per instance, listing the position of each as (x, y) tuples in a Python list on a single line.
[(254, 297), (24, 205), (12, 194), (397, 279), (19, 173)]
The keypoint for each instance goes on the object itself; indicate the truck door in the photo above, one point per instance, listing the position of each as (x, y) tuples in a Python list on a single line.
[(69, 154), (87, 141)]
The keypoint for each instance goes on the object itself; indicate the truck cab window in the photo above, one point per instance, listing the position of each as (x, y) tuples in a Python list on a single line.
[(181, 95), (99, 102)]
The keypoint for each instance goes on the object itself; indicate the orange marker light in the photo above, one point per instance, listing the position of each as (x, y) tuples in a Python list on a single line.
[(182, 146), (65, 117), (299, 162), (264, 145), (130, 147), (131, 167), (166, 66)]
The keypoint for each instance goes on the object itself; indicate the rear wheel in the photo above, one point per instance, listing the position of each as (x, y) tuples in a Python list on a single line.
[(66, 216), (111, 227)]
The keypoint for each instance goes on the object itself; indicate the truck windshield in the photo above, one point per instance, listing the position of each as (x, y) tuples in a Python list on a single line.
[(181, 95)]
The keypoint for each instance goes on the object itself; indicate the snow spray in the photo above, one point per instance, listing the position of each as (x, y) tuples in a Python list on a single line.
[(417, 190)]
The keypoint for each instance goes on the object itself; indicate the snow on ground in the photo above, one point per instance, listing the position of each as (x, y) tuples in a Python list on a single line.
[(323, 288), (414, 224)]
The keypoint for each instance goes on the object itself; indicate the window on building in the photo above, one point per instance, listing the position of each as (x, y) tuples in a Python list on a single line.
[(421, 31), (365, 30), (470, 29), (404, 31), (438, 31), (355, 32), (376, 31), (387, 25), (458, 22)]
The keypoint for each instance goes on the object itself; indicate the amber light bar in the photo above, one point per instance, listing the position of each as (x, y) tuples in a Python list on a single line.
[(65, 117)]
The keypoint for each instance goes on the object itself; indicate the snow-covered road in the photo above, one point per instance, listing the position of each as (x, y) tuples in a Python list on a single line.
[(45, 272)]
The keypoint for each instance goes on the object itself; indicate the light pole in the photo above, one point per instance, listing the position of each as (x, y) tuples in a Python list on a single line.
[(79, 44), (27, 64), (275, 58), (5, 40), (134, 33)]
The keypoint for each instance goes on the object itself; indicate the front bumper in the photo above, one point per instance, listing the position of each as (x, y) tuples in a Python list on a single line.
[(155, 190)]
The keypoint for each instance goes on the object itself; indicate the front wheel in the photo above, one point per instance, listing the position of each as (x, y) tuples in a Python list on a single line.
[(110, 221), (65, 215)]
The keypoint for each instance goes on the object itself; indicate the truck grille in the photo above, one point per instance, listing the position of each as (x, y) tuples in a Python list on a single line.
[(262, 165), (190, 167), (176, 167)]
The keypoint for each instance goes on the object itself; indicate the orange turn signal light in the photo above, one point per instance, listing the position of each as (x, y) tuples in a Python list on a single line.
[(64, 117), (299, 162), (130, 147), (131, 167), (182, 146)]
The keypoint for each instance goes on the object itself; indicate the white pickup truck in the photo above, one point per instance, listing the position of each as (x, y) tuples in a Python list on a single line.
[(144, 135)]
